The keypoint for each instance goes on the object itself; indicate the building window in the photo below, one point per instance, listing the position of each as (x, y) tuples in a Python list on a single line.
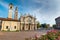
[(0, 21), (29, 20), (14, 27), (6, 27)]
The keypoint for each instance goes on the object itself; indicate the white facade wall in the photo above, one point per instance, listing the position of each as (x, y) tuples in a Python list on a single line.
[(11, 25)]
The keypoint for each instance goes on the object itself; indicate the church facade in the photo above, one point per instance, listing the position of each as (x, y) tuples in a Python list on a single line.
[(26, 22)]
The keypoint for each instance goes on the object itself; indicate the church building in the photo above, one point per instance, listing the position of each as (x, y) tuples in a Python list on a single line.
[(26, 22)]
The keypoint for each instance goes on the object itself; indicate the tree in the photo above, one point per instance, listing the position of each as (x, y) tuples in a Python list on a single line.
[(38, 25), (44, 25), (54, 25)]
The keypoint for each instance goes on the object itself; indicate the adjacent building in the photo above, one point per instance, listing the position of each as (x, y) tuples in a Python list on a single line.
[(26, 22), (57, 22)]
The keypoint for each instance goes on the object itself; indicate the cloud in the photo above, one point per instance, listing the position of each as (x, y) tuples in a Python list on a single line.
[(49, 10), (45, 10), (43, 18), (5, 5)]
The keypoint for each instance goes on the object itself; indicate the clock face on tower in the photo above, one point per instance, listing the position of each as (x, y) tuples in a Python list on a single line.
[(10, 7)]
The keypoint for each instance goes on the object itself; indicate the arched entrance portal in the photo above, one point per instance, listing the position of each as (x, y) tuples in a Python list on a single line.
[(29, 26), (23, 27)]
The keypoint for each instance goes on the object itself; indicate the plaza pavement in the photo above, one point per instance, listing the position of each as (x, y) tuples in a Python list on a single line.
[(19, 35)]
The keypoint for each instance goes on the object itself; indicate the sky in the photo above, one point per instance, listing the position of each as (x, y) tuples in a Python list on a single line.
[(45, 11)]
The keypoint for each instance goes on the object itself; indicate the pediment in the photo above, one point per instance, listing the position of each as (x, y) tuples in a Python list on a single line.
[(29, 16)]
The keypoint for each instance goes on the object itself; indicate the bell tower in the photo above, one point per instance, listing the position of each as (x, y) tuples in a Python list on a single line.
[(16, 14), (10, 10)]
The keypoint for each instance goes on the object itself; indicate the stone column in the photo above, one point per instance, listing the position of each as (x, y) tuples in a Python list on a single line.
[(24, 26), (32, 26), (35, 26), (21, 27), (3, 23), (27, 27)]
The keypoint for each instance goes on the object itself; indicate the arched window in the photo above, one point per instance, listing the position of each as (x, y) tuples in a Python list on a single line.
[(14, 27), (6, 27), (29, 20)]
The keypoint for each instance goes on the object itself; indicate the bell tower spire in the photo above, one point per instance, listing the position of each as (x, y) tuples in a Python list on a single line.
[(10, 10), (16, 14)]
